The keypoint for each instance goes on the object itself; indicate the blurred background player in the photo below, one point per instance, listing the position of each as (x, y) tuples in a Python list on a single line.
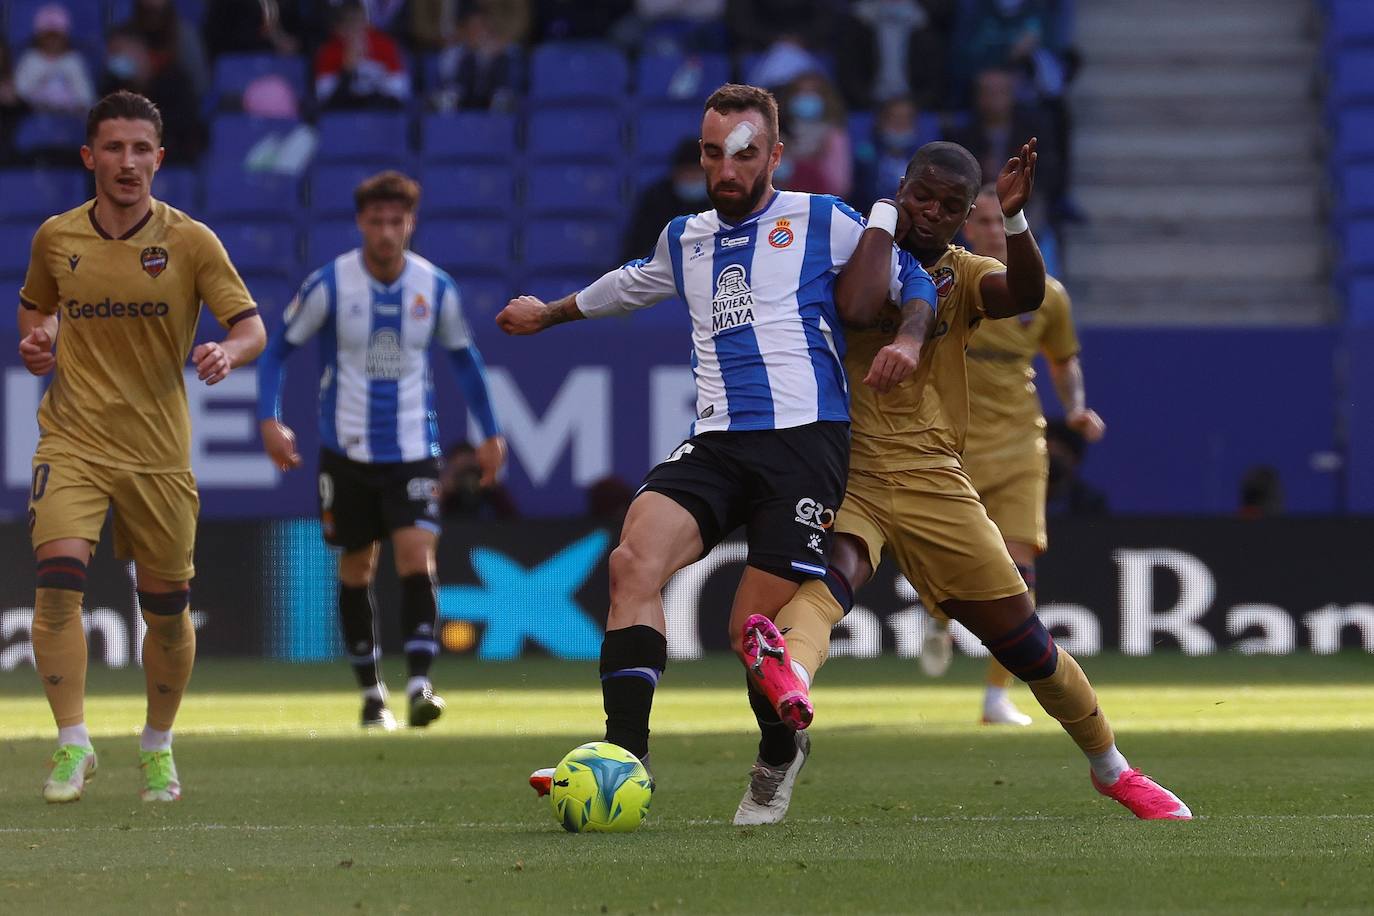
[(123, 277), (1004, 453), (907, 489), (770, 447), (379, 308)]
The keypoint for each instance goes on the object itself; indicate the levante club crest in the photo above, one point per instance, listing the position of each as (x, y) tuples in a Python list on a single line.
[(154, 261)]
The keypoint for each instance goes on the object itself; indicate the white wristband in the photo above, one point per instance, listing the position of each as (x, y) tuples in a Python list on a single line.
[(883, 216), (1015, 225)]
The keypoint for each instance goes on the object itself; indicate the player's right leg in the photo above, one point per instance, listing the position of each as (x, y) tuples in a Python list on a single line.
[(998, 708)]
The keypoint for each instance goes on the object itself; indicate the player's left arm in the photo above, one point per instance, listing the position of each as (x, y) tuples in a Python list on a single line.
[(1060, 344), (1021, 287), (456, 339), (220, 287)]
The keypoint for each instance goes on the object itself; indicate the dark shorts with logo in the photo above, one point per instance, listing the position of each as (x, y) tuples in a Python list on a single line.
[(783, 485), (362, 502)]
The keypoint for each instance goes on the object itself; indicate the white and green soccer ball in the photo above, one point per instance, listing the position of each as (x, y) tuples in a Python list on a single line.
[(601, 788)]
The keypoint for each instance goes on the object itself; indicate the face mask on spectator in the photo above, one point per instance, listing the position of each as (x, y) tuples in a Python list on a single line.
[(807, 106), (122, 66), (900, 140), (695, 189)]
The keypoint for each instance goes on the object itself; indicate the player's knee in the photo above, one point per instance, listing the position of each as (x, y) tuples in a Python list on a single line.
[(356, 568), (167, 614), (68, 573), (634, 573), (1027, 651)]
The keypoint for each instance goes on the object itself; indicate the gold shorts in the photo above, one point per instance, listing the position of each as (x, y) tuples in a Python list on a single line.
[(937, 530), (1012, 486), (154, 514)]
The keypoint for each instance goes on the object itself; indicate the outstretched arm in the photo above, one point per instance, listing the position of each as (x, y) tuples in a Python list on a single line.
[(528, 315), (1021, 287)]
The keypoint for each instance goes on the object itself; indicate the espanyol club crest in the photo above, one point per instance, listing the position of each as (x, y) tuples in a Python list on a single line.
[(154, 261), (420, 308), (944, 280), (781, 234)]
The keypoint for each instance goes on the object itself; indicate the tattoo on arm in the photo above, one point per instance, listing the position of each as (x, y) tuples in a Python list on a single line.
[(561, 311), (916, 317)]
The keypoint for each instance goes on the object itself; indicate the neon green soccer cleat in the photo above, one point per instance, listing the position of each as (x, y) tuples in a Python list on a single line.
[(160, 781), (72, 765)]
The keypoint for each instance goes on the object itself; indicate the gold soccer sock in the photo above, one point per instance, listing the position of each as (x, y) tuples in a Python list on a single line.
[(169, 651), (806, 622), (59, 649), (998, 676), (1068, 697)]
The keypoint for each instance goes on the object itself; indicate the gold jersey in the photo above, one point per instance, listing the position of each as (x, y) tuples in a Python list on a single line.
[(127, 310), (1004, 409), (921, 422)]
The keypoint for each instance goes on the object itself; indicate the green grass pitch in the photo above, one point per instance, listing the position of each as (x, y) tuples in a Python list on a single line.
[(906, 805)]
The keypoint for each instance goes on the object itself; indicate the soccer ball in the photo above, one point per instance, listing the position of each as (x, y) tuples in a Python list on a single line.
[(600, 788)]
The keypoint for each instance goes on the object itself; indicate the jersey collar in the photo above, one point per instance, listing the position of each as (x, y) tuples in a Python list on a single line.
[(133, 231)]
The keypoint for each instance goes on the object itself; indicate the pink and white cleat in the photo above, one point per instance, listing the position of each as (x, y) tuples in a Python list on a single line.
[(1144, 797), (770, 668)]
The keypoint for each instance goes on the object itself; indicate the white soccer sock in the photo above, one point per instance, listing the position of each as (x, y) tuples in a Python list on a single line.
[(1108, 766), (74, 734), (154, 740), (993, 696), (416, 684), (375, 692), (800, 671)]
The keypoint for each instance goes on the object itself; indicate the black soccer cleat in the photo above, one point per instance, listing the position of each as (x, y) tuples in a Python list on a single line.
[(376, 715), (425, 707)]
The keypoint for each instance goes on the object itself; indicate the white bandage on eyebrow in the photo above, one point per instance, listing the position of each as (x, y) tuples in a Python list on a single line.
[(739, 138)]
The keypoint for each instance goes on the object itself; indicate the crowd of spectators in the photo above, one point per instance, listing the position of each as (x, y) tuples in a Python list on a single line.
[(986, 73)]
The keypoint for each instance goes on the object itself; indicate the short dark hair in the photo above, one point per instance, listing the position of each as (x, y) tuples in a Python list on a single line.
[(740, 97), (952, 158), (123, 104), (387, 187)]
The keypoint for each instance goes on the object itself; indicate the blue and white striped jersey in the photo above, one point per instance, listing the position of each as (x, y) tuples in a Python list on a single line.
[(376, 387), (767, 347)]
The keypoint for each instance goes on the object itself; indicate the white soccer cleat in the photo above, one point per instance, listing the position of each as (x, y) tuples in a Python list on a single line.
[(937, 647), (72, 766), (1002, 711), (770, 790)]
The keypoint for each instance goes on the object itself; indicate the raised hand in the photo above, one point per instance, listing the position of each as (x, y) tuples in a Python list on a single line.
[(1016, 179), (36, 352)]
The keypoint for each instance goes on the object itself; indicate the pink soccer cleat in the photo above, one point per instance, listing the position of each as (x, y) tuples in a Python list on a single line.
[(770, 668), (541, 781), (1145, 798)]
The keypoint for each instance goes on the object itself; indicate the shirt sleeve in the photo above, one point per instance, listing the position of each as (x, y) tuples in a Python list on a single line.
[(910, 281), (218, 283), (973, 273), (1060, 340), (304, 317), (453, 332), (39, 292), (638, 284)]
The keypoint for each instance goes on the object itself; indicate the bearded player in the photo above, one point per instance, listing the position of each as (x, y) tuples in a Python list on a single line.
[(120, 279), (907, 488)]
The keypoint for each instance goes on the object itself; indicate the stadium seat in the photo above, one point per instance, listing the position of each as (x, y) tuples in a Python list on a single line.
[(1353, 76), (678, 78), (581, 246), (578, 70), (358, 135), (574, 190), (661, 128), (554, 286), (32, 195), (1351, 22), (467, 189), (16, 241), (1354, 134), (483, 295), (233, 73), (1358, 238), (271, 291), (1356, 185), (331, 186), (192, 10), (327, 239), (178, 186), (469, 136), (239, 195), (45, 131), (580, 132), (233, 134), (88, 23), (464, 245), (261, 246), (1360, 300)]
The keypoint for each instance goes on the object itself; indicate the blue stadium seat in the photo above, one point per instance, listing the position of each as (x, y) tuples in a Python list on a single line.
[(238, 195), (574, 190), (325, 240), (1359, 300), (31, 195), (1353, 76), (272, 292), (1358, 237), (679, 78), (461, 246), (467, 189), (233, 73), (644, 172), (483, 295), (193, 10), (581, 246), (88, 23), (661, 128), (469, 136), (358, 135), (1354, 134), (331, 186), (47, 131), (554, 286), (1356, 183), (578, 70), (582, 132), (233, 134), (1351, 22), (179, 186), (16, 242), (261, 246)]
